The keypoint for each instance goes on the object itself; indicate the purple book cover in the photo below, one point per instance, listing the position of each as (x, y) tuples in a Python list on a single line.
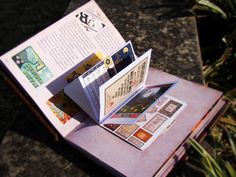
[(113, 152)]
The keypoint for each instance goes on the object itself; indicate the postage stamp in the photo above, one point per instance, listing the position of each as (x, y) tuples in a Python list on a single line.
[(142, 119), (126, 130), (161, 101), (112, 127), (170, 108), (135, 142), (142, 135), (154, 123), (152, 110)]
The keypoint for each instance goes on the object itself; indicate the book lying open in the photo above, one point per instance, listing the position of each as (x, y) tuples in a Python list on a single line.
[(81, 76), (81, 63), (113, 93)]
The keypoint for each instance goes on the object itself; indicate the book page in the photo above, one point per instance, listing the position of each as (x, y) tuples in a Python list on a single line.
[(42, 63), (99, 74), (137, 106), (156, 121), (84, 90), (92, 80), (120, 88)]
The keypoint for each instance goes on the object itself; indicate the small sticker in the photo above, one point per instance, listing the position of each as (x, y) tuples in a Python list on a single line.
[(126, 130), (170, 108), (135, 142), (32, 66), (142, 135), (154, 123), (111, 127)]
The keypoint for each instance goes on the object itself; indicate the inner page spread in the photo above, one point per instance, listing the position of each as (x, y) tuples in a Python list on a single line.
[(42, 63), (155, 121), (84, 90)]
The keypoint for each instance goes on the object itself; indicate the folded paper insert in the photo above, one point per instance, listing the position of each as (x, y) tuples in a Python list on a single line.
[(120, 98)]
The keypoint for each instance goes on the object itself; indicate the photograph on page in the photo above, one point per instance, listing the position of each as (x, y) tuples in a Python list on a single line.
[(134, 109)]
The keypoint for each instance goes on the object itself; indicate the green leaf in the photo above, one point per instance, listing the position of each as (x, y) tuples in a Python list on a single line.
[(231, 141), (210, 163), (231, 128), (230, 5), (212, 7), (228, 121), (230, 169)]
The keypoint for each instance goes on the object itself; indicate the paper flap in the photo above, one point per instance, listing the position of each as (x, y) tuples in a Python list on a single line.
[(117, 90), (76, 92)]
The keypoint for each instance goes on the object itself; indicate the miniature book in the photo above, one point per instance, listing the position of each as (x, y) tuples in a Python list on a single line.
[(113, 92), (104, 97)]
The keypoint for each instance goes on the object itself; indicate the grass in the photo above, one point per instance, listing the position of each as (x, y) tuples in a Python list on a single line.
[(211, 166)]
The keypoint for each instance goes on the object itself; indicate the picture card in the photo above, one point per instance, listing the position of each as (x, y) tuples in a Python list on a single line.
[(136, 107), (154, 121), (32, 66), (85, 66), (101, 73), (120, 59), (123, 57), (63, 107)]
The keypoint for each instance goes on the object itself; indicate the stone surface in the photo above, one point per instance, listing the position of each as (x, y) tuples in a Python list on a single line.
[(23, 156), (27, 149)]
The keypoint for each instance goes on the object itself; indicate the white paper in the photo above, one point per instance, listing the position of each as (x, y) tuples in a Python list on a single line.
[(111, 86)]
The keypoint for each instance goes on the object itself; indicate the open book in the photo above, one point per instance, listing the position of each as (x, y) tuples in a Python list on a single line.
[(81, 63), (82, 76), (113, 92)]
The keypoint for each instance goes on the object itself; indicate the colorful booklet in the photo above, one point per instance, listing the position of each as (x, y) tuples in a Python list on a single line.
[(114, 91)]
